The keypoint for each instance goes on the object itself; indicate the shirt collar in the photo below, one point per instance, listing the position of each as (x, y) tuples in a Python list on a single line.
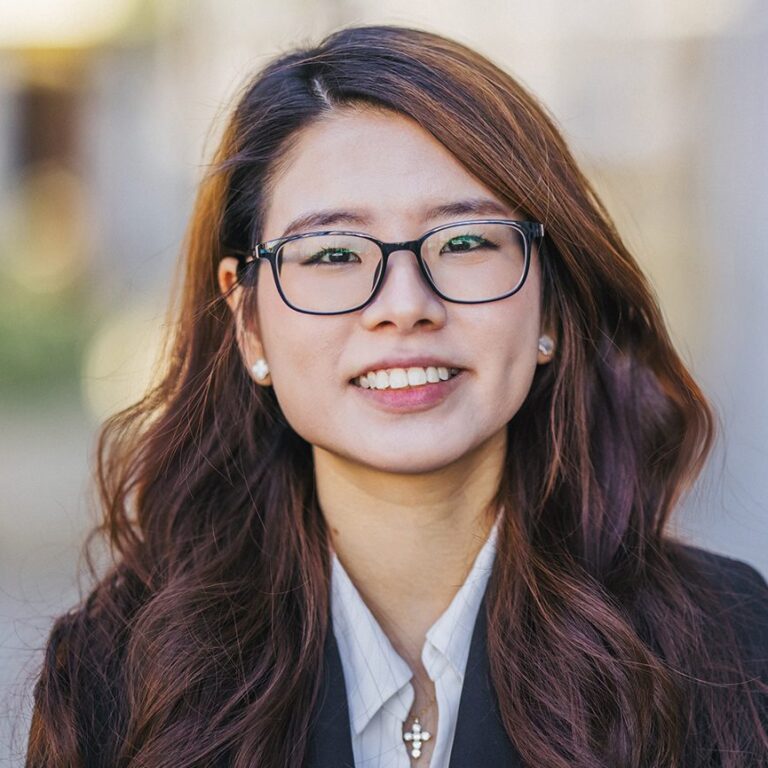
[(368, 656), (373, 670), (450, 636)]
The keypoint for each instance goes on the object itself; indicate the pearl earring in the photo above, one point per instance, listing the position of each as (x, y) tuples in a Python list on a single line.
[(260, 369), (546, 345)]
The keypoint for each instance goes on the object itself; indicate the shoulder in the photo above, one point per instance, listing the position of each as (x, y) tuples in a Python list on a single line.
[(79, 694), (740, 591), (728, 574)]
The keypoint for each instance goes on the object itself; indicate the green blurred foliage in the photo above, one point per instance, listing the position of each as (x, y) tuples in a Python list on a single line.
[(42, 340)]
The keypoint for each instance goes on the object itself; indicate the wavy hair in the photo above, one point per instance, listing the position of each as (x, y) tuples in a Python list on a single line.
[(608, 646)]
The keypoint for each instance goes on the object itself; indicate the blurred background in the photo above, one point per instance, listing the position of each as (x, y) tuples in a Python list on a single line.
[(108, 114)]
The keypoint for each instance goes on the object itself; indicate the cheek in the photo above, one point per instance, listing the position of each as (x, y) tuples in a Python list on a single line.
[(510, 352), (302, 351), (299, 375), (515, 376)]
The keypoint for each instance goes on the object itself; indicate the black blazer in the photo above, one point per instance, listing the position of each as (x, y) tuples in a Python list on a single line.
[(480, 738)]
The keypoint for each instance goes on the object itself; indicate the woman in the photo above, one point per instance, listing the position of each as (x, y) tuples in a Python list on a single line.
[(401, 496)]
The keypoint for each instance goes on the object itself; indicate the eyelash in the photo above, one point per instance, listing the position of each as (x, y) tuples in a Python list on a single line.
[(473, 239), (316, 257)]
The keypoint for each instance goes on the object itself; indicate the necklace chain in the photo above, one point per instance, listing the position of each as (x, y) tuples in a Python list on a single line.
[(425, 708)]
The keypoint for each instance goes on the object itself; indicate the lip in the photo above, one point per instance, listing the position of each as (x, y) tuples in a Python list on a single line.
[(411, 399), (407, 362)]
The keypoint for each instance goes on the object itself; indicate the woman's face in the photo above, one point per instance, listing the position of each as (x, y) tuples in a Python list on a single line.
[(387, 171)]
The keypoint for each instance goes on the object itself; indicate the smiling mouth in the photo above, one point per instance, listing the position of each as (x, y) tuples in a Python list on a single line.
[(402, 378)]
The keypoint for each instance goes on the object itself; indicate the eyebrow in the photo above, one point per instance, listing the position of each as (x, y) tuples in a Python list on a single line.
[(476, 206)]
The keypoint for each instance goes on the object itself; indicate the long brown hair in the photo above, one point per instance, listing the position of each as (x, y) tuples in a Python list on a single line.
[(606, 643)]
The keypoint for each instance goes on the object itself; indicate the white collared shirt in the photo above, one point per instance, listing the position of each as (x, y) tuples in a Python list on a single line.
[(377, 678)]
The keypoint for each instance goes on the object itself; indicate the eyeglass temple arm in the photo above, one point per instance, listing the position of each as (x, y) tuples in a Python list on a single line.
[(240, 255)]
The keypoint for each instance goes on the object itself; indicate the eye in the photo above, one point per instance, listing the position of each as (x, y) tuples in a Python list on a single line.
[(461, 243), (333, 256)]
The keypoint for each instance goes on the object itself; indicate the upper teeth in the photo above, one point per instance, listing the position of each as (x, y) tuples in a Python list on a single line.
[(397, 378)]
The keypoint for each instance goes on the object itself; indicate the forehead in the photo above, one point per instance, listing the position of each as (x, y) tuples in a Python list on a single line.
[(379, 164)]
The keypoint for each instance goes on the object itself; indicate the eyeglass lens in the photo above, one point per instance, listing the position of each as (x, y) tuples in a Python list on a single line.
[(466, 262)]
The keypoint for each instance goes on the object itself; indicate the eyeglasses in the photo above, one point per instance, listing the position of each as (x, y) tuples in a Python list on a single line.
[(332, 272)]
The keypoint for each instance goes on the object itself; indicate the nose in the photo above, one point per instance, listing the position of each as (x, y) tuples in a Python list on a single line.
[(404, 299)]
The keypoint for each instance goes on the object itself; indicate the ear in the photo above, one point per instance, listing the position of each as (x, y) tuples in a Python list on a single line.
[(248, 339), (549, 322), (227, 276)]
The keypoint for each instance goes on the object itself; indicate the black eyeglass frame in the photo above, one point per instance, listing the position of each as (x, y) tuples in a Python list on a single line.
[(270, 250)]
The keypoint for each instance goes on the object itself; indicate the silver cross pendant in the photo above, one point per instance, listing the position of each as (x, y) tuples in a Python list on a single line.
[(417, 736)]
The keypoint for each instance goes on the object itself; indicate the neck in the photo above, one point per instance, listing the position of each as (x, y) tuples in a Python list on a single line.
[(402, 536)]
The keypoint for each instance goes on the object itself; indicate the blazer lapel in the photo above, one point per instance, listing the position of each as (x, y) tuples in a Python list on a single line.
[(330, 741), (480, 738)]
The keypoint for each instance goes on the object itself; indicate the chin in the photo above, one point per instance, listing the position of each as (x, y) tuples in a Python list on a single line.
[(408, 462)]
